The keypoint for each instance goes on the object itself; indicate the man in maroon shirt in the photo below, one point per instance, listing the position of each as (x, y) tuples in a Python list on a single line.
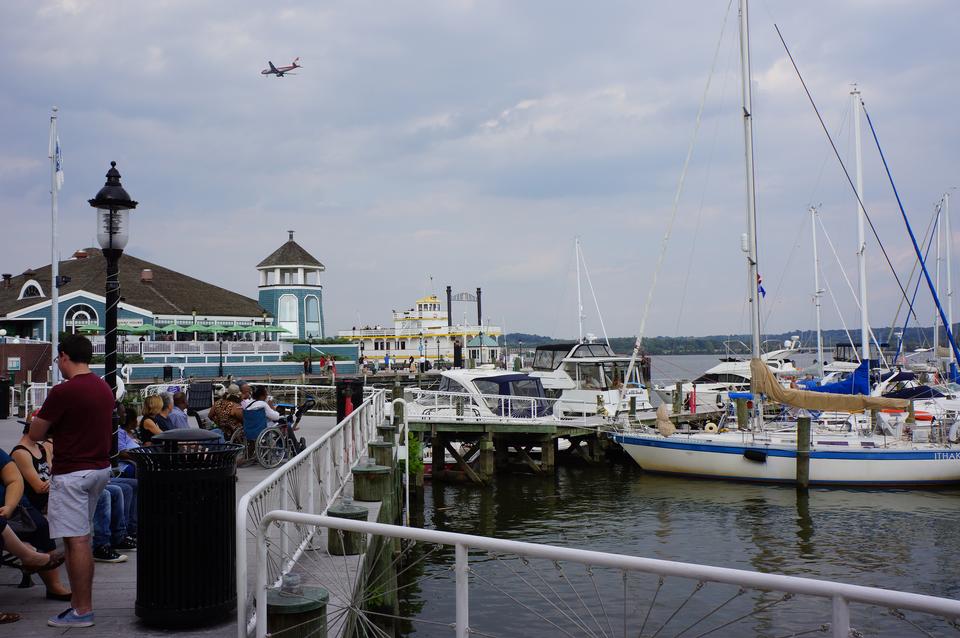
[(78, 415)]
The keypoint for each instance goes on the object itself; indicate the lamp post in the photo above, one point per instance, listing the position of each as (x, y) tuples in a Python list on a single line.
[(194, 313), (220, 367), (521, 354), (113, 206), (264, 316), (438, 351), (420, 365)]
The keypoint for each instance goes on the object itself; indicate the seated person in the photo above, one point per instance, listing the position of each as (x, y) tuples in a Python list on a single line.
[(127, 440), (178, 413), (162, 418), (258, 414), (152, 406), (35, 462), (42, 560), (111, 519), (226, 413)]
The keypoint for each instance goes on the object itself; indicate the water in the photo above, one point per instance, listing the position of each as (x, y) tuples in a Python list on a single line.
[(902, 540)]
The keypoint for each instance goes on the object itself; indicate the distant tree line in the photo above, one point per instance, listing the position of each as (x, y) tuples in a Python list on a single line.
[(913, 338)]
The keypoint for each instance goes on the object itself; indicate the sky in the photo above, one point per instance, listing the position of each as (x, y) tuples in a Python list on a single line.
[(468, 143)]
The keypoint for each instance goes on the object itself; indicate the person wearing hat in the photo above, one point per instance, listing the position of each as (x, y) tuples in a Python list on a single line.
[(226, 412)]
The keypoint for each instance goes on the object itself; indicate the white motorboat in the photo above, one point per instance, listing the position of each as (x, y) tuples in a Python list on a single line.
[(588, 379)]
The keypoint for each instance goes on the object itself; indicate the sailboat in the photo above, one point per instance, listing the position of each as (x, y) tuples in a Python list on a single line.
[(835, 458)]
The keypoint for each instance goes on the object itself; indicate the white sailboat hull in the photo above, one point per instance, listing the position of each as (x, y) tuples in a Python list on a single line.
[(726, 457)]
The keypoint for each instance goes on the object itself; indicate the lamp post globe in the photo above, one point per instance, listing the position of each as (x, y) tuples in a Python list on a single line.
[(113, 206)]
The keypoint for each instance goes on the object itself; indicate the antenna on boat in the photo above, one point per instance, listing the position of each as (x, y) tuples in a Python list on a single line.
[(576, 247), (751, 243)]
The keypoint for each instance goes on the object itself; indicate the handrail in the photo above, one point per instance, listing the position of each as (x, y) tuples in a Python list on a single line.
[(327, 462), (436, 405), (840, 594)]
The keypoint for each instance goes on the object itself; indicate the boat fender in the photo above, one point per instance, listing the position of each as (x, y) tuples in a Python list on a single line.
[(759, 456), (711, 427), (954, 434)]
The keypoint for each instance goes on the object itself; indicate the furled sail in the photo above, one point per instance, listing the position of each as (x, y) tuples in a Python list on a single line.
[(856, 383), (763, 381)]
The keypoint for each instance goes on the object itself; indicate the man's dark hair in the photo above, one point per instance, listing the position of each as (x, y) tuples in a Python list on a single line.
[(260, 393), (77, 347)]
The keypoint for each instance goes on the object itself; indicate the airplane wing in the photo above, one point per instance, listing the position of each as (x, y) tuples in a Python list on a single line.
[(272, 68)]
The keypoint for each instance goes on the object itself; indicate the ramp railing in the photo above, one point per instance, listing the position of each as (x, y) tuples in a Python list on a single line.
[(308, 483)]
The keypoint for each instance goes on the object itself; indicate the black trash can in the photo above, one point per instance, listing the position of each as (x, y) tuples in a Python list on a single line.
[(5, 398), (186, 541), (168, 373), (352, 388)]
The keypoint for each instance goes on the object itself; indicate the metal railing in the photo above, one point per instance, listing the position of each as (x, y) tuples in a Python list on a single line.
[(435, 405), (171, 348), (573, 611), (308, 483), (35, 396)]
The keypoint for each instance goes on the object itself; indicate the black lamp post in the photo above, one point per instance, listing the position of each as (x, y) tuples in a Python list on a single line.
[(113, 206), (438, 350), (220, 367)]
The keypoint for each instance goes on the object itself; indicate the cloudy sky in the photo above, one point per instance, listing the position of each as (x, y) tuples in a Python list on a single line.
[(472, 141)]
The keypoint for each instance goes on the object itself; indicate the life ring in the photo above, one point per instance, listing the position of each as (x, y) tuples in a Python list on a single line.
[(126, 370), (711, 428)]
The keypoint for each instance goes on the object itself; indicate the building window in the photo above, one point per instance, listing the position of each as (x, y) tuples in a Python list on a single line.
[(287, 317), (30, 290), (78, 316), (402, 345), (311, 313)]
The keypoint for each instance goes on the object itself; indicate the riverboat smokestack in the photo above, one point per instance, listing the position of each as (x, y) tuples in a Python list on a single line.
[(449, 307), (479, 313)]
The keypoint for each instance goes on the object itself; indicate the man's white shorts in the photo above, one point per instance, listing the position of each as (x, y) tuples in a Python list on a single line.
[(73, 500)]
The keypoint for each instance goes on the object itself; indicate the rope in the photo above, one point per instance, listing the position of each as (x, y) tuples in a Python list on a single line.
[(676, 204), (846, 173)]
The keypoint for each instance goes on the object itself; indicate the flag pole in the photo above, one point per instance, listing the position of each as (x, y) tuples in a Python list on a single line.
[(54, 257)]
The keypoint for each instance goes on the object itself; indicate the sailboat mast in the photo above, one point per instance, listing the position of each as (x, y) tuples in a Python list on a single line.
[(576, 246), (861, 237), (949, 235), (751, 247), (936, 315), (817, 292), (751, 239)]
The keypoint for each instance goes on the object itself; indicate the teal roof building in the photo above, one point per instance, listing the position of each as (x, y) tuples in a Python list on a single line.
[(291, 291)]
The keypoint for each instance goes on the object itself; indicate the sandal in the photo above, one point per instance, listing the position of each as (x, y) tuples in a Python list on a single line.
[(7, 617), (54, 561)]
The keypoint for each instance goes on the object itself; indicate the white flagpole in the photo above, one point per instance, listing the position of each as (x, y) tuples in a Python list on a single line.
[(54, 257)]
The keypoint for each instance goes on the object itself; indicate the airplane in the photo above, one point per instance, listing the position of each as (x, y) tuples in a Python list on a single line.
[(283, 70)]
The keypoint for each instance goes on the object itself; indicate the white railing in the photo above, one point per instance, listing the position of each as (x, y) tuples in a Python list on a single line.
[(173, 348), (326, 395), (415, 333), (309, 483), (36, 395), (570, 613), (434, 405)]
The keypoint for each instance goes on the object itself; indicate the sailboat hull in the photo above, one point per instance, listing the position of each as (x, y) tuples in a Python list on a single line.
[(742, 460)]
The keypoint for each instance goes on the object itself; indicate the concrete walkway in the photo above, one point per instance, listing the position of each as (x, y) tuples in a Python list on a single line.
[(115, 585)]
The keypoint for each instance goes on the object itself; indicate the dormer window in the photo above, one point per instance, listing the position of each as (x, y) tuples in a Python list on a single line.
[(31, 290)]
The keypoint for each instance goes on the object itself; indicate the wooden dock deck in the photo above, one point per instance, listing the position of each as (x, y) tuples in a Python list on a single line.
[(114, 587)]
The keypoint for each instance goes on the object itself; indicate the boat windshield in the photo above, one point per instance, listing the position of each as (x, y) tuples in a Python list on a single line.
[(525, 388), (548, 359)]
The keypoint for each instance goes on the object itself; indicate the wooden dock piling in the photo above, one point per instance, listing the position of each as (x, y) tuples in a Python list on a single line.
[(803, 452)]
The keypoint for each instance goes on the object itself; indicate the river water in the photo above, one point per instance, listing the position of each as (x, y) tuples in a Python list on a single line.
[(904, 540)]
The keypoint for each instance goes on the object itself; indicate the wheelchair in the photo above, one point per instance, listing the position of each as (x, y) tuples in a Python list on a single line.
[(275, 443)]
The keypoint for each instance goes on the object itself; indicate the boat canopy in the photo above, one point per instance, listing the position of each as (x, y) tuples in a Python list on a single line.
[(764, 382), (916, 392), (856, 383)]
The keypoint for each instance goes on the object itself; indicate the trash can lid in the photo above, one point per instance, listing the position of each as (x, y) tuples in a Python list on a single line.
[(187, 435), (310, 599)]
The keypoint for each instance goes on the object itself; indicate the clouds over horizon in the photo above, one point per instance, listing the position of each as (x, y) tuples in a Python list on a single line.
[(472, 142)]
